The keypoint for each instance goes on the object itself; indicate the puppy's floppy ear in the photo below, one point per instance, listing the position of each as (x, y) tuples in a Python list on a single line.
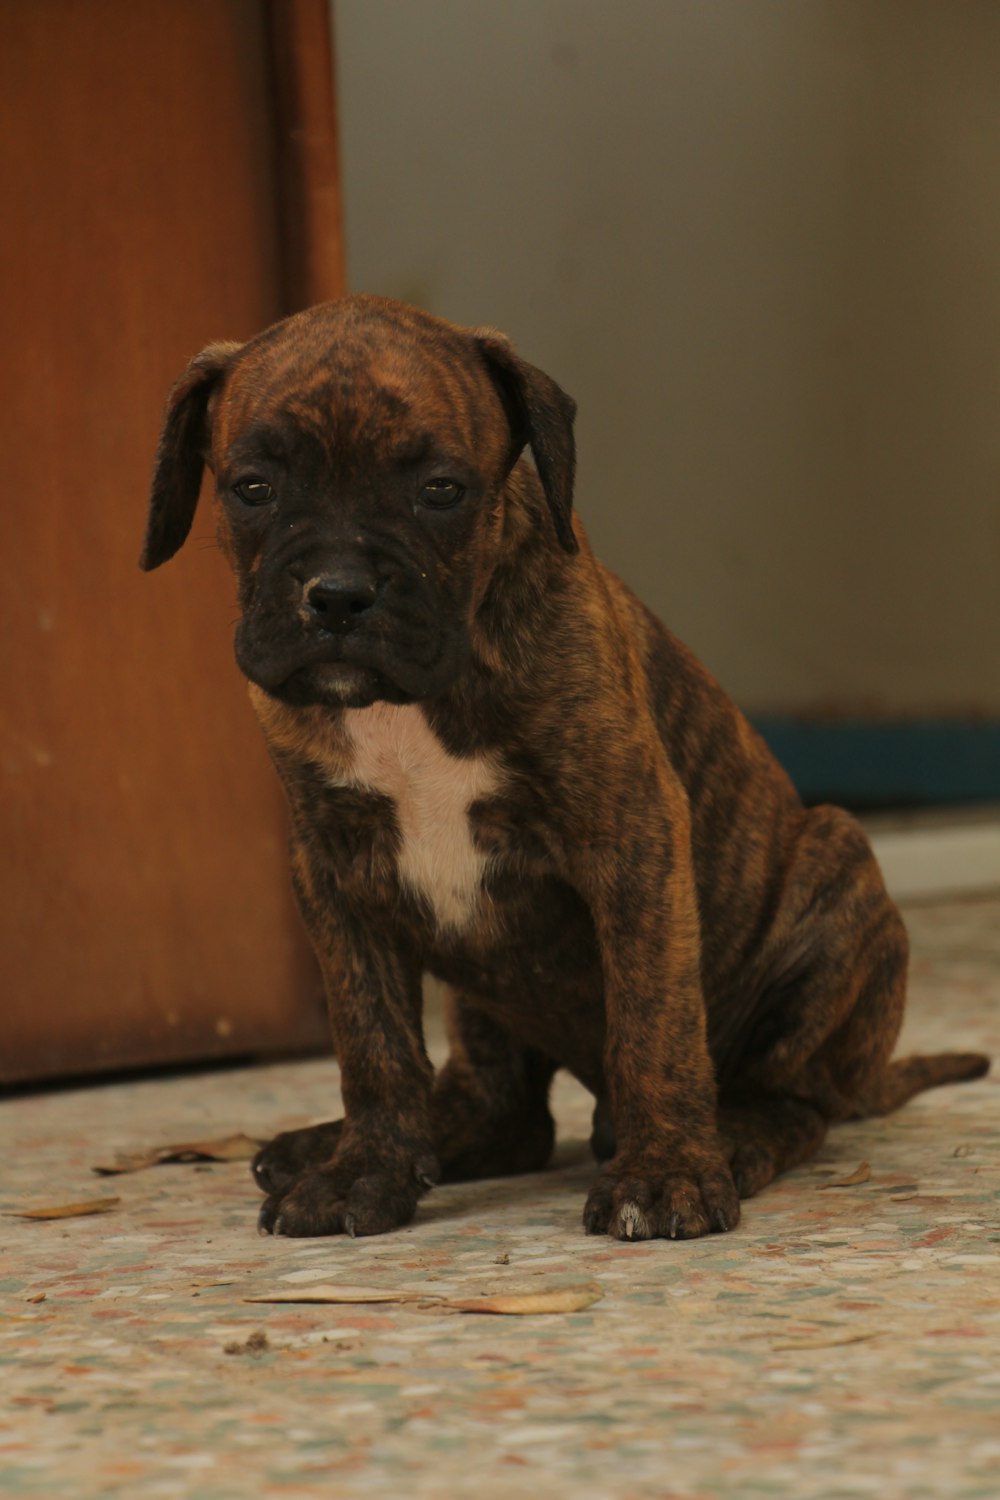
[(541, 415), (180, 457)]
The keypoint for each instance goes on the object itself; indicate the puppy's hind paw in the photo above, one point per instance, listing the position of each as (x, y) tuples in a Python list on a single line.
[(334, 1199), (281, 1161)]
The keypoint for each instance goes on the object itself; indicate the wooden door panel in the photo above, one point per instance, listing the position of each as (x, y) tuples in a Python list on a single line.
[(145, 907)]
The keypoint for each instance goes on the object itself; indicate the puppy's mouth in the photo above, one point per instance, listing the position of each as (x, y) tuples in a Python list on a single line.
[(321, 675), (336, 684), (343, 672)]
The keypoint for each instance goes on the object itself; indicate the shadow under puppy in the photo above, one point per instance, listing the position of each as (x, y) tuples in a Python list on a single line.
[(503, 769)]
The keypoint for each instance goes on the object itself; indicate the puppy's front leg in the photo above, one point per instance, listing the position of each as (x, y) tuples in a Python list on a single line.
[(382, 1158), (669, 1176)]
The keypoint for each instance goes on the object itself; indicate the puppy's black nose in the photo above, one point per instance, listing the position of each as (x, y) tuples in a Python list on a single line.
[(337, 601)]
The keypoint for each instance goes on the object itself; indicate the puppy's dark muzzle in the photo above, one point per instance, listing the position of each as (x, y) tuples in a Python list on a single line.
[(337, 602), (353, 631)]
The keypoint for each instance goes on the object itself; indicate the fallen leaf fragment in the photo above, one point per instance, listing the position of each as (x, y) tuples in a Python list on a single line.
[(343, 1294), (825, 1340), (567, 1299), (227, 1148), (860, 1174), (67, 1210), (561, 1300)]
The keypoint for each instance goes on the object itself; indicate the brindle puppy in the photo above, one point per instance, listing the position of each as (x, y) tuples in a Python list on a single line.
[(504, 770)]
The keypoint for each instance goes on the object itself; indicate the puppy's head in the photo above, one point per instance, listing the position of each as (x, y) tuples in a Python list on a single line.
[(360, 452)]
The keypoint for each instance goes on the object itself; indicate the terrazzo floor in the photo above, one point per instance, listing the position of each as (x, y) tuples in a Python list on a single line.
[(843, 1342)]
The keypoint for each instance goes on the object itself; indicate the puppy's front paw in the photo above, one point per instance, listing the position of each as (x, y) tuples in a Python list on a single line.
[(276, 1165), (644, 1198), (338, 1199)]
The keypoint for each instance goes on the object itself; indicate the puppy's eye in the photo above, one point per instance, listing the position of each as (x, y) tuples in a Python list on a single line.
[(254, 491), (442, 494)]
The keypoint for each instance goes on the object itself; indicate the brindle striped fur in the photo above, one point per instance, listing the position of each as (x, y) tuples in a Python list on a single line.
[(657, 912)]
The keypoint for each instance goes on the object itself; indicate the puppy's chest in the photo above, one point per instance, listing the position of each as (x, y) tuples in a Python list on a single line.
[(394, 753)]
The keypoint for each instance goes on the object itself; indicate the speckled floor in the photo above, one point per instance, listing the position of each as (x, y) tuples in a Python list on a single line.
[(841, 1343)]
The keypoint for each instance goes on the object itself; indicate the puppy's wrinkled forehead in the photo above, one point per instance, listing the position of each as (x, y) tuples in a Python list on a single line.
[(367, 384)]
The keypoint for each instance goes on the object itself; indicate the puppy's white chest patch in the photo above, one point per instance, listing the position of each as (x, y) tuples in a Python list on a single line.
[(398, 754)]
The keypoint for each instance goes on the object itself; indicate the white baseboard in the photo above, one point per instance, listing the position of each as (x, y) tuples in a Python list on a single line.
[(938, 857)]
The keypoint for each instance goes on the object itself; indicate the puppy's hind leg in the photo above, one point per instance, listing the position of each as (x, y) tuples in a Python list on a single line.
[(766, 1134), (856, 987), (490, 1102), (825, 1026)]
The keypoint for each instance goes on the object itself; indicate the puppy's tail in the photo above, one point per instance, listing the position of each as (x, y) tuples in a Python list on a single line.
[(911, 1075)]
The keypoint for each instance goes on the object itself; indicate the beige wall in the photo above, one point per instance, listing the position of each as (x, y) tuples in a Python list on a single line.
[(759, 241)]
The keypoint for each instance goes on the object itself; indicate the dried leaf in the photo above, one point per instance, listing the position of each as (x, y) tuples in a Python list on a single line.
[(67, 1210), (561, 1300), (825, 1340), (860, 1174), (126, 1161), (227, 1148), (567, 1299), (343, 1294)]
